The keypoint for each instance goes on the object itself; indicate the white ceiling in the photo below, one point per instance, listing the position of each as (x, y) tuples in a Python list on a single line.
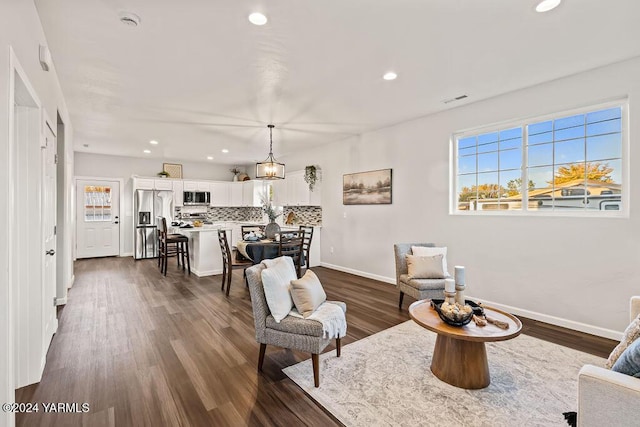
[(198, 77)]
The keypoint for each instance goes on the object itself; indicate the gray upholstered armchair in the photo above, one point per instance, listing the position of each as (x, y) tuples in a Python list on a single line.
[(417, 288), (292, 332)]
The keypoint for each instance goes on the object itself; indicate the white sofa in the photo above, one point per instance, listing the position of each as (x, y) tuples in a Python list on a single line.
[(607, 398)]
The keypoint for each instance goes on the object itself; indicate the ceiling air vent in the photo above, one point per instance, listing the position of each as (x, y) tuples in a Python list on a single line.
[(457, 98), (130, 19)]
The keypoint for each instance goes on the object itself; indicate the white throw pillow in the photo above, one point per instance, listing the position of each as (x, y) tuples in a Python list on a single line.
[(276, 281), (427, 251), (307, 293), (425, 267)]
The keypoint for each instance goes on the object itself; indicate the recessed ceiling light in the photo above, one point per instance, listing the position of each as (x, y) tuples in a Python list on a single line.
[(390, 76), (153, 142), (209, 157), (147, 151), (547, 5), (224, 150), (130, 19), (257, 19)]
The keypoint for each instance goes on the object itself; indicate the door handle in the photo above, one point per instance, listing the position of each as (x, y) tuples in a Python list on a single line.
[(50, 252), (116, 222)]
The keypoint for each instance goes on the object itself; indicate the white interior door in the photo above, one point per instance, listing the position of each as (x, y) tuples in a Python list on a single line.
[(48, 195), (98, 218)]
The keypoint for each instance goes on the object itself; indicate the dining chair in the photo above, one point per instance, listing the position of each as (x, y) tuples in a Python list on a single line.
[(228, 261), (306, 246), (172, 245), (291, 244), (244, 229)]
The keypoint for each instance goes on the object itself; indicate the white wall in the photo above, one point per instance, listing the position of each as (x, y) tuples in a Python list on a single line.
[(577, 272), (20, 28), (106, 166)]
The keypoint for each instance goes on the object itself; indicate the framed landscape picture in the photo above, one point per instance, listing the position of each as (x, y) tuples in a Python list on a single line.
[(173, 169), (367, 188)]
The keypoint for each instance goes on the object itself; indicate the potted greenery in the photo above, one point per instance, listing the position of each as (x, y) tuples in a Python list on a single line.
[(163, 174), (311, 176)]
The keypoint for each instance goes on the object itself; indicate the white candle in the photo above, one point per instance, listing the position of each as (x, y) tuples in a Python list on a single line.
[(449, 285), (459, 274)]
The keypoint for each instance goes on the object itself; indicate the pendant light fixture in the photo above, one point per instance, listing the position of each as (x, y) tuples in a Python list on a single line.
[(269, 168)]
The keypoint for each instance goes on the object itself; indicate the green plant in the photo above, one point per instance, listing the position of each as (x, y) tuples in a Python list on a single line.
[(268, 209), (311, 176), (163, 173)]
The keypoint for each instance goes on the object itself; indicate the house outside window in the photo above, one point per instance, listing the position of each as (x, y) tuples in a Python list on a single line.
[(572, 164)]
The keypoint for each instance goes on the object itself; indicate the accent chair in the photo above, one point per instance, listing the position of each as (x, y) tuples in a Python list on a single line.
[(292, 332), (417, 288)]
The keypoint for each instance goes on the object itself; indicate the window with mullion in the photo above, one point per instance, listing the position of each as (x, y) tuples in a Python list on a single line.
[(573, 163)]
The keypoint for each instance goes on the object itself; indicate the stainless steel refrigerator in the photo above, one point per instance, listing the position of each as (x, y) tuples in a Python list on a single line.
[(149, 207)]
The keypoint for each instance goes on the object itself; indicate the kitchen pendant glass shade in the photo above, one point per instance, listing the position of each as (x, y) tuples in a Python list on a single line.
[(269, 168)]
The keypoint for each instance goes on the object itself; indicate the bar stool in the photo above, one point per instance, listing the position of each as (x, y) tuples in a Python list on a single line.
[(171, 245)]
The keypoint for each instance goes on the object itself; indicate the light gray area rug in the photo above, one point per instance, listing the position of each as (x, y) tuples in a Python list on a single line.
[(385, 380)]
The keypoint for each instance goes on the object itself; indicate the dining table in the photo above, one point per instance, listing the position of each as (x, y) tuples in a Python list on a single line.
[(258, 250)]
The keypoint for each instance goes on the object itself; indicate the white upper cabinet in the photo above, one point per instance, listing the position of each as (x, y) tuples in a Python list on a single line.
[(143, 184), (163, 184), (178, 193), (298, 193), (220, 193), (236, 194), (253, 191), (279, 189), (196, 186), (190, 186)]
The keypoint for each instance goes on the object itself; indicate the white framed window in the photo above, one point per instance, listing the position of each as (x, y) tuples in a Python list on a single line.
[(573, 163)]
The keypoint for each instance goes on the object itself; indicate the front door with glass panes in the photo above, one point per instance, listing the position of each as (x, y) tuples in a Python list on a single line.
[(98, 219)]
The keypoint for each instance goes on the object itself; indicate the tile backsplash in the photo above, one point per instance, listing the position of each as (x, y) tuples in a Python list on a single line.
[(308, 215)]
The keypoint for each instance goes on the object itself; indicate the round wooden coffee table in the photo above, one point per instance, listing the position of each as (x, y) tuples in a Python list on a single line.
[(460, 355)]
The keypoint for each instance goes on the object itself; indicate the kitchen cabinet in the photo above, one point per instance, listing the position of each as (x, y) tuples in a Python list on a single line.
[(163, 184), (220, 193), (143, 184), (294, 191), (253, 192), (190, 185), (178, 190), (279, 191), (236, 194), (196, 186)]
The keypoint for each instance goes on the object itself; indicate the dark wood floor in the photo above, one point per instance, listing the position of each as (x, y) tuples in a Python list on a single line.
[(143, 349)]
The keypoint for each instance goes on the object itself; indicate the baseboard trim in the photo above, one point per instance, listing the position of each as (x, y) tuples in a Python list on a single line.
[(558, 321), (541, 317), (377, 277), (72, 281), (61, 301), (126, 254), (206, 272)]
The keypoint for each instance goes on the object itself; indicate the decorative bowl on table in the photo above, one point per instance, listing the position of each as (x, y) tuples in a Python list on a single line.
[(197, 223), (251, 239), (454, 314)]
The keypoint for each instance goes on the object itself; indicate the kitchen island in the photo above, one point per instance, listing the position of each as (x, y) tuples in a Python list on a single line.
[(204, 249)]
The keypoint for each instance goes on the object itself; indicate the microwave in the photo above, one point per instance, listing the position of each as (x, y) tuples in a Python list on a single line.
[(196, 198)]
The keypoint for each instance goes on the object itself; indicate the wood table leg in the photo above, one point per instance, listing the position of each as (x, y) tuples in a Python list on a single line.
[(461, 363)]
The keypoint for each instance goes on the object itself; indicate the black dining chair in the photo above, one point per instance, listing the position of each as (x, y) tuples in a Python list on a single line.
[(306, 247), (291, 244), (228, 261), (244, 229), (172, 245)]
